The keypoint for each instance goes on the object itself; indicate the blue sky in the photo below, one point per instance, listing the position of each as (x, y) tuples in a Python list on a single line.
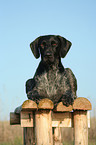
[(22, 21)]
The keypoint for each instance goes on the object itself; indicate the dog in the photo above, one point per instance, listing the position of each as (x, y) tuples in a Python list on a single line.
[(51, 79)]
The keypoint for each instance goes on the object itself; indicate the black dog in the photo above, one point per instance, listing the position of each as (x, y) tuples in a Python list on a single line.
[(51, 79)]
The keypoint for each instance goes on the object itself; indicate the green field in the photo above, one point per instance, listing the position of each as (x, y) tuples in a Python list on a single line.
[(13, 135)]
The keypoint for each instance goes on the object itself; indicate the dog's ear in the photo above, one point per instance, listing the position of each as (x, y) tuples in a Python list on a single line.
[(35, 47), (65, 46)]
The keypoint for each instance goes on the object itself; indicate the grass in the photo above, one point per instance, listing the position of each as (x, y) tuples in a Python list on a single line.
[(10, 135), (16, 141), (13, 135)]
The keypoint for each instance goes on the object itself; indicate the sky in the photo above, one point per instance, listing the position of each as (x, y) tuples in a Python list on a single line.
[(23, 21)]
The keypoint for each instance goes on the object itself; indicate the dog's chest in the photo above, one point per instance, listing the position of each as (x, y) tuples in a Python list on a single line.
[(51, 83)]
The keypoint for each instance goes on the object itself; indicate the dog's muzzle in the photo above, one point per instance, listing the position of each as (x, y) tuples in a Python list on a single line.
[(48, 56)]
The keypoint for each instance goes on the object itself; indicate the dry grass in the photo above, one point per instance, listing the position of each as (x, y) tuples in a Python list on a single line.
[(12, 135), (92, 131)]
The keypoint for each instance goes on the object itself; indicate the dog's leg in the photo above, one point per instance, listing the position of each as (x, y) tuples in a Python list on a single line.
[(72, 80), (68, 98), (34, 95), (30, 84), (31, 91)]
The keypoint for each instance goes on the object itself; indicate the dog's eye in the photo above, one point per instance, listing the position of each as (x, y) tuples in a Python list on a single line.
[(53, 43), (43, 44)]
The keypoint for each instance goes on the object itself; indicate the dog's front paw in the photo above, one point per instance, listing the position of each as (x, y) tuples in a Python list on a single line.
[(33, 95), (67, 100)]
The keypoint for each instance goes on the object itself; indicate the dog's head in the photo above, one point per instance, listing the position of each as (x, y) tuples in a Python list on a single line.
[(50, 47)]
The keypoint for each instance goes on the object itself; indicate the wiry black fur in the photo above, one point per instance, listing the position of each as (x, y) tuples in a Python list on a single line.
[(51, 79)]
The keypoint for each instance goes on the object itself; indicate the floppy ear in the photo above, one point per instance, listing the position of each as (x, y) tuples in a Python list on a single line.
[(65, 46), (35, 47)]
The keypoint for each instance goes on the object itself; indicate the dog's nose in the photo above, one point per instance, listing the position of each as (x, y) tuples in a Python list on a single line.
[(48, 53)]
